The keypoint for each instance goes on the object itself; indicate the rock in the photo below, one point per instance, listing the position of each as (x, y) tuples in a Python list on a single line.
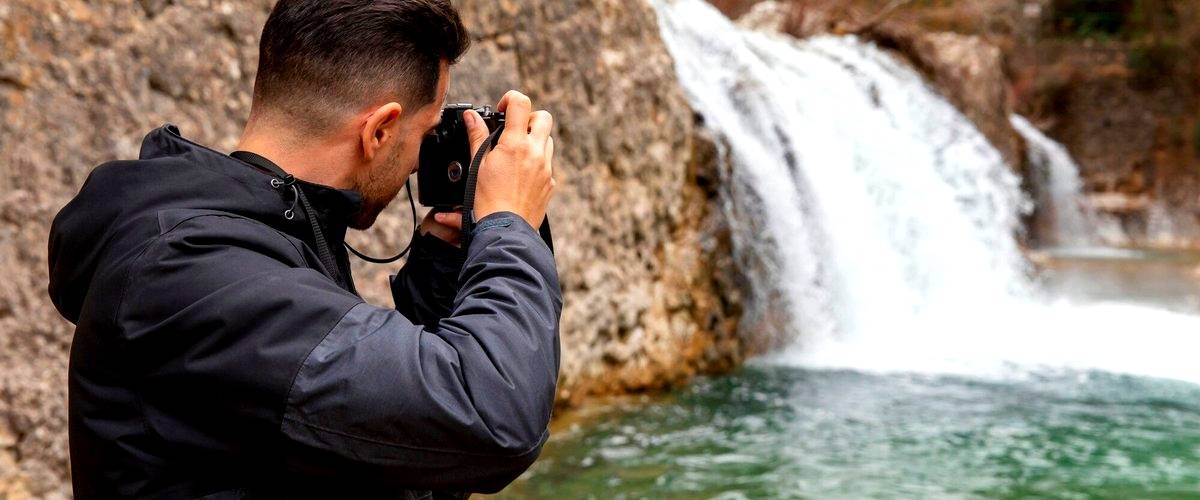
[(766, 16), (642, 248), (1117, 203), (969, 71)]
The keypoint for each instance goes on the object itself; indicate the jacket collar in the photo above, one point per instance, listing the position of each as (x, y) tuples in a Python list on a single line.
[(334, 208)]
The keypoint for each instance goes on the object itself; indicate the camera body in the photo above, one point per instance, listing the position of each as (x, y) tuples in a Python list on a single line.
[(446, 157)]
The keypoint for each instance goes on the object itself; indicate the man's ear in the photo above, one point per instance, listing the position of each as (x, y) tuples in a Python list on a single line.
[(381, 127)]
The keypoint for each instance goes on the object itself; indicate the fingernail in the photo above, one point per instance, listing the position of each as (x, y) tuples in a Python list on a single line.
[(440, 217)]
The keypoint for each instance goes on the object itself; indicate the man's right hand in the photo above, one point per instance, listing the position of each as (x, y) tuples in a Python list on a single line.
[(516, 176)]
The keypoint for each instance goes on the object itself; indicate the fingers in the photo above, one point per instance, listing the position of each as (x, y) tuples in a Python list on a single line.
[(550, 157), (446, 234), (445, 226), (452, 220), (477, 131), (541, 124), (517, 109)]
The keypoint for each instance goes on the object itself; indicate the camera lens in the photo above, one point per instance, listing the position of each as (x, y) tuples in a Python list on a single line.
[(454, 171)]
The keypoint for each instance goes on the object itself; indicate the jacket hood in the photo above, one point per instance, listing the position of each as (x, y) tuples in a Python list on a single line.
[(117, 211)]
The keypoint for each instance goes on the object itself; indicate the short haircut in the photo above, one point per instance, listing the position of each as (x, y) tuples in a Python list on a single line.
[(319, 59)]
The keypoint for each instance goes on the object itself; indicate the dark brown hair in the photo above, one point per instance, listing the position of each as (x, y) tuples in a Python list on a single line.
[(321, 58)]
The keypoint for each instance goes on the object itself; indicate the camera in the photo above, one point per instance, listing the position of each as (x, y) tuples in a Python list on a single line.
[(446, 157)]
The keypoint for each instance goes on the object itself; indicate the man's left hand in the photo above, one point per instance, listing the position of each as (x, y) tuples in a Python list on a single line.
[(446, 226)]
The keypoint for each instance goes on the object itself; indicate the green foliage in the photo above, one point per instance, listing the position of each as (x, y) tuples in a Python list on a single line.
[(1092, 18), (1124, 19)]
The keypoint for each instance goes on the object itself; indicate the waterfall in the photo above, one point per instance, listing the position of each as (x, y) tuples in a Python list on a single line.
[(1071, 223), (846, 158), (877, 225)]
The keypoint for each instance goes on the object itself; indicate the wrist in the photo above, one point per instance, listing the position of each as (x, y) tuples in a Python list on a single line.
[(481, 213)]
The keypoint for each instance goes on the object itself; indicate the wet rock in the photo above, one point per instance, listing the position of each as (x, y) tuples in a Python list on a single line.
[(970, 72)]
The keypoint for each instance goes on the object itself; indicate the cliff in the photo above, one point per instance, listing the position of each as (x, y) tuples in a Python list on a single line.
[(642, 249)]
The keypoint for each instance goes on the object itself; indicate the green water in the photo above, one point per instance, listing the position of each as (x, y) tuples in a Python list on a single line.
[(770, 431), (780, 432)]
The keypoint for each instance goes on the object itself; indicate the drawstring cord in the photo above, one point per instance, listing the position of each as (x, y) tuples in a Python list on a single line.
[(281, 179), (323, 251), (288, 180)]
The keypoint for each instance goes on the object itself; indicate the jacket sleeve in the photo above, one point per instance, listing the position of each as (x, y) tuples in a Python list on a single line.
[(425, 288), (464, 405), (358, 391)]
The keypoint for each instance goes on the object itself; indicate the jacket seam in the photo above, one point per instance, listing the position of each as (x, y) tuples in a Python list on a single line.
[(137, 261), (136, 384), (287, 400), (541, 441), (299, 253), (134, 266)]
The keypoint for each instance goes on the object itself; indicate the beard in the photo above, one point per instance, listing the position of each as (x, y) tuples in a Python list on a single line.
[(378, 187)]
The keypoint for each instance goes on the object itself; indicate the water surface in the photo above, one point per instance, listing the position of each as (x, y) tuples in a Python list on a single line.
[(782, 432)]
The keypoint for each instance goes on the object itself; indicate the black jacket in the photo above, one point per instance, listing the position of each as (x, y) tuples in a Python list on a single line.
[(214, 353)]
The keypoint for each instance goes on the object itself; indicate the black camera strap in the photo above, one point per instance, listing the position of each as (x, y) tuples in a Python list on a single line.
[(468, 222), (416, 227)]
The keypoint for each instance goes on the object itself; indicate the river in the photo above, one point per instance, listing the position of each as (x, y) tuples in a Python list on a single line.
[(915, 350)]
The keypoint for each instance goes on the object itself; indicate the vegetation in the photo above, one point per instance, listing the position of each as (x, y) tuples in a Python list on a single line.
[(1120, 19), (1092, 18)]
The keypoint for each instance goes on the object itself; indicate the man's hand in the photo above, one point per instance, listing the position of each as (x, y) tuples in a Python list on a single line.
[(446, 226), (517, 175)]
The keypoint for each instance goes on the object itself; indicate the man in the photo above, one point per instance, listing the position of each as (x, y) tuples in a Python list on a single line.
[(221, 350)]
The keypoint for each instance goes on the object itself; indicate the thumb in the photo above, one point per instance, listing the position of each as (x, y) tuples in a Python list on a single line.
[(477, 131)]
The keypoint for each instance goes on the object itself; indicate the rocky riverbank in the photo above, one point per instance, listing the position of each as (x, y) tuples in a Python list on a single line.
[(649, 287)]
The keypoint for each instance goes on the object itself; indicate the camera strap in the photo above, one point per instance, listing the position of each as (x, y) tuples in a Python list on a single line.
[(468, 221), (416, 227)]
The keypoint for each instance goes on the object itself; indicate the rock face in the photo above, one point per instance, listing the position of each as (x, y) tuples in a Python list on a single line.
[(642, 249)]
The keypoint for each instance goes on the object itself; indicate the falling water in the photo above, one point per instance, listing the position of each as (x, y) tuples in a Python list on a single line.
[(878, 224), (1059, 189)]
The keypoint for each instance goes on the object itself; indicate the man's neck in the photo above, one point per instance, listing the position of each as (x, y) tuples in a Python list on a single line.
[(323, 160)]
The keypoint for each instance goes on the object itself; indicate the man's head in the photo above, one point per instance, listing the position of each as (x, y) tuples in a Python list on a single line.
[(369, 76)]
